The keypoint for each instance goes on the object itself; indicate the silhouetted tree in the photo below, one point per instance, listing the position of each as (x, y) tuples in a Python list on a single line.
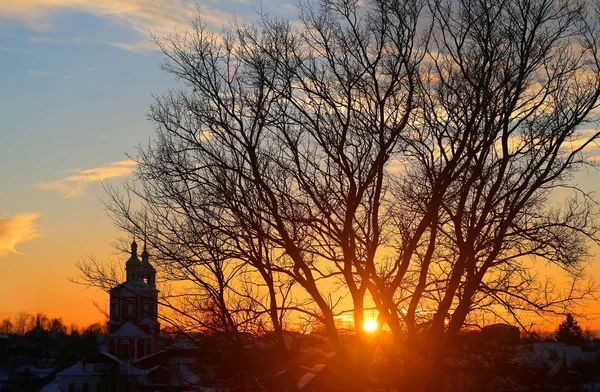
[(6, 326), (23, 322), (402, 152), (57, 325), (570, 332), (95, 328)]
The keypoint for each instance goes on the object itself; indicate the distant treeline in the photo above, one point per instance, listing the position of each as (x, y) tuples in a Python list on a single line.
[(23, 322)]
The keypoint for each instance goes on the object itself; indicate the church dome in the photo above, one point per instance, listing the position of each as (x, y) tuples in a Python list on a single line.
[(147, 266), (133, 261), (145, 260)]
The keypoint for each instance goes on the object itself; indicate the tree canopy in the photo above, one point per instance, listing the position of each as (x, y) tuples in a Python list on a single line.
[(403, 155)]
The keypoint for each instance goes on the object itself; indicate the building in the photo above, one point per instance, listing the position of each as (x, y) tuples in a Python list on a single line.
[(501, 333), (133, 329), (107, 374), (555, 355)]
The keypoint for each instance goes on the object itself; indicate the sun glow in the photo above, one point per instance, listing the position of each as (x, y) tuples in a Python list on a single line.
[(370, 325)]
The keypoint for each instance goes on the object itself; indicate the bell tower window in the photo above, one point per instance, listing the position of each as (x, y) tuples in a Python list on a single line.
[(115, 310)]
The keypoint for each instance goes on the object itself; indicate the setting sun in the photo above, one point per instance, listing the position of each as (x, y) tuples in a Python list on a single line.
[(370, 325)]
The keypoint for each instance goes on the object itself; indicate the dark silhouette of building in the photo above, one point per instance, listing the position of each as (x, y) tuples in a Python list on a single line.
[(503, 333), (133, 329)]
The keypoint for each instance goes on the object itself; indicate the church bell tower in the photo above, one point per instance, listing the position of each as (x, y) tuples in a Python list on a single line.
[(133, 328)]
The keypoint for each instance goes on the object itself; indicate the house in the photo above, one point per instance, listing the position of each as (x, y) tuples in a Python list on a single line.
[(554, 354)]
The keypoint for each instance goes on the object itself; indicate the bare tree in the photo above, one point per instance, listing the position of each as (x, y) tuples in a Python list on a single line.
[(24, 322), (508, 88), (6, 326), (403, 153)]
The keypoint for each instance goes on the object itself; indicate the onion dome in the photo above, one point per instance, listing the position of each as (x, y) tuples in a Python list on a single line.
[(133, 261), (145, 259)]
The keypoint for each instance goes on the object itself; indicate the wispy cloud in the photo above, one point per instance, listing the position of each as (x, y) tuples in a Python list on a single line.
[(16, 229), (158, 16), (35, 72), (75, 185), (58, 41), (68, 77), (593, 158), (137, 47)]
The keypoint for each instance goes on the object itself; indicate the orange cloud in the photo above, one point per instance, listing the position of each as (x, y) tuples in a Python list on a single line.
[(76, 184), (157, 16), (15, 229)]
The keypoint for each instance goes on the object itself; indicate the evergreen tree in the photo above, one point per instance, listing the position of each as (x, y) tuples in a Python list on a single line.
[(570, 332)]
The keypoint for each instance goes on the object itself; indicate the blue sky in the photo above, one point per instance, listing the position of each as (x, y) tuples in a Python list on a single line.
[(75, 88)]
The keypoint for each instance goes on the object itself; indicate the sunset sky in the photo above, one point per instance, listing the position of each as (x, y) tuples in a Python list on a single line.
[(75, 87), (76, 84)]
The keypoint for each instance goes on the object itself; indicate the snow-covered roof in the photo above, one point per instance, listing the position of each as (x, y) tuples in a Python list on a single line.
[(124, 367), (129, 330), (187, 340), (134, 287), (147, 321), (544, 347), (35, 371), (52, 386), (555, 353), (82, 369), (135, 362)]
